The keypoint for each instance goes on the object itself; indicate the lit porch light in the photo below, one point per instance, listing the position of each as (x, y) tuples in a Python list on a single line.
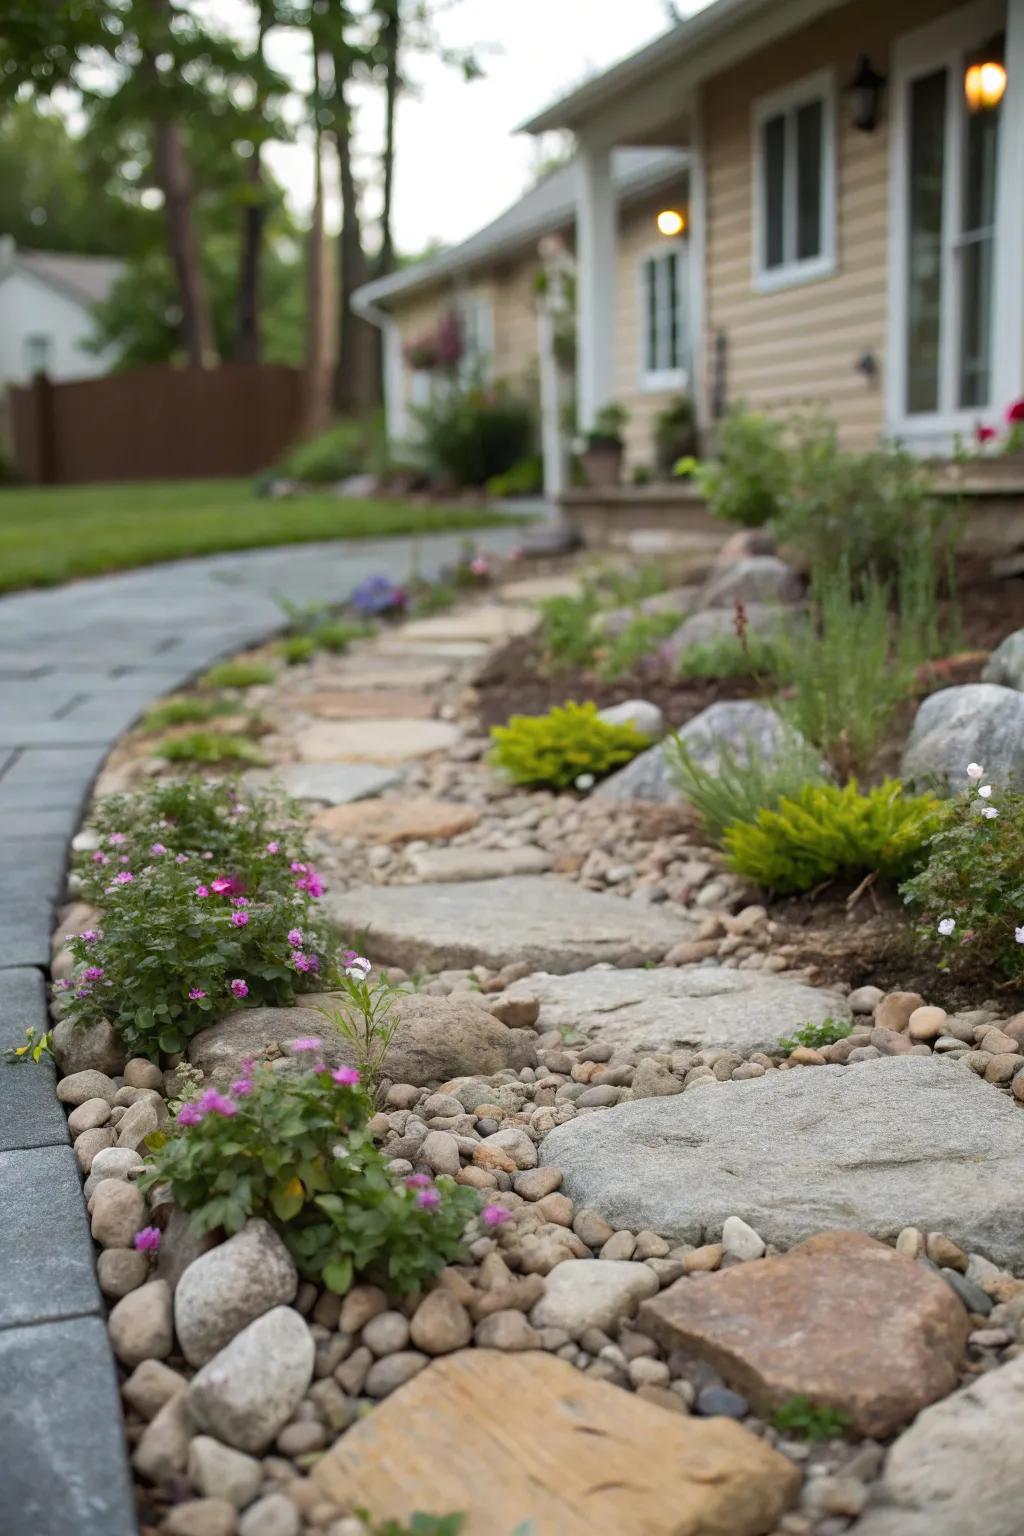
[(984, 84), (671, 222)]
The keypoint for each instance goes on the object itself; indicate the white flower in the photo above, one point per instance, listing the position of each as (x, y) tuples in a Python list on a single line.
[(1018, 934), (985, 790), (974, 770), (989, 811), (946, 926), (585, 781)]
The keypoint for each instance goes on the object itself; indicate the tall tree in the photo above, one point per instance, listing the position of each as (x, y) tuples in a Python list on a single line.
[(254, 207)]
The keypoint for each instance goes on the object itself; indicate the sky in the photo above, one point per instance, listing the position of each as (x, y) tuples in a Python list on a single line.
[(459, 164)]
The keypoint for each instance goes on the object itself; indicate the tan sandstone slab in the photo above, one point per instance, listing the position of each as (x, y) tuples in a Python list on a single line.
[(390, 740), (489, 622), (525, 1441), (398, 820), (366, 704), (390, 672), (841, 1319)]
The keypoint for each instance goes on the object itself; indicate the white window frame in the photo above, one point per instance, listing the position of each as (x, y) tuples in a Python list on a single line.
[(820, 87), (940, 44), (652, 380), (480, 362)]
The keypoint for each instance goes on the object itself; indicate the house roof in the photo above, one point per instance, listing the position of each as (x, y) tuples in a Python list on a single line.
[(86, 279), (548, 206)]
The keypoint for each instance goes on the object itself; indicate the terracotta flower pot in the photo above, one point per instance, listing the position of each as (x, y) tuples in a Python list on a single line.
[(602, 464)]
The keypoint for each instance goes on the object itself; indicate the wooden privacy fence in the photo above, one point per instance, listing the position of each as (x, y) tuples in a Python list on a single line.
[(158, 423)]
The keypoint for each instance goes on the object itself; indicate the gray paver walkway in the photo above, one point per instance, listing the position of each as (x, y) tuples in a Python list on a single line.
[(77, 665)]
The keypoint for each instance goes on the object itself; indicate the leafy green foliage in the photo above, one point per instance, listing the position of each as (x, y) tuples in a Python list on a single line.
[(741, 783), (568, 635), (343, 450), (573, 632), (366, 1019), (35, 1048), (524, 478), (238, 674), (556, 748), (729, 656), (749, 480), (826, 833), (188, 711), (974, 879), (628, 647), (816, 1035), (296, 648), (209, 747), (469, 435), (811, 1421), (294, 1148)]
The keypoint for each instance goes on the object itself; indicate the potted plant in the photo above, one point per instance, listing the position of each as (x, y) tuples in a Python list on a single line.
[(601, 458), (675, 435)]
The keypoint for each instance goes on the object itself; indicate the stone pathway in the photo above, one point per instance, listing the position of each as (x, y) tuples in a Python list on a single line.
[(77, 665)]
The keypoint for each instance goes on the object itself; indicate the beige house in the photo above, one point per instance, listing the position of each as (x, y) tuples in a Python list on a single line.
[(854, 219)]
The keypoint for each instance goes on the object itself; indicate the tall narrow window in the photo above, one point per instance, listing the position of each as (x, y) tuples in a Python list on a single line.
[(663, 320), (977, 242), (794, 184), (924, 249)]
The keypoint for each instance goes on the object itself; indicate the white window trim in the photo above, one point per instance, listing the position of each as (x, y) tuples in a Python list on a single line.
[(483, 304), (918, 53), (658, 380), (820, 86)]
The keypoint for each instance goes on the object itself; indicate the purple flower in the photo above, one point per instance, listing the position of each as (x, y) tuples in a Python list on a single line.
[(124, 877), (213, 1103), (196, 995), (300, 961), (494, 1215), (147, 1240), (93, 973), (428, 1199), (240, 1087), (181, 858), (305, 1043), (417, 1181), (189, 1114), (63, 986), (116, 839), (295, 938), (273, 847), (239, 919), (90, 935), (239, 988), (202, 891), (310, 883), (100, 858), (157, 848), (240, 901), (346, 1077)]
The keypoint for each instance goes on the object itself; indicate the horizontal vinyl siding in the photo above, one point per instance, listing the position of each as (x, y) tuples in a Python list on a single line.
[(800, 346)]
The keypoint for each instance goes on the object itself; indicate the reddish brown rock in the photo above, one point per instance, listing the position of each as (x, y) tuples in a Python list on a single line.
[(894, 1011), (399, 820), (840, 1319)]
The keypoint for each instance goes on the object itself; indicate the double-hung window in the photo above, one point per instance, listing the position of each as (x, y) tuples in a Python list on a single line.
[(795, 183), (664, 338)]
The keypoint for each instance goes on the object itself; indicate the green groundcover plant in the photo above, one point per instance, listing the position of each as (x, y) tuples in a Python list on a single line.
[(566, 745), (188, 711), (238, 674), (741, 781), (816, 1035), (826, 833), (210, 747), (293, 1146), (970, 893)]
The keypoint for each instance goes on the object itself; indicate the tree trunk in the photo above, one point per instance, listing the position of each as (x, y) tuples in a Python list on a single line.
[(390, 38), (175, 182), (254, 216), (358, 384), (318, 385)]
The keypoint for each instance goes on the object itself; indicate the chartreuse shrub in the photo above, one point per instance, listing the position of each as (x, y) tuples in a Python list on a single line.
[(826, 832), (740, 783), (558, 748), (210, 747), (188, 711), (970, 892), (293, 1147)]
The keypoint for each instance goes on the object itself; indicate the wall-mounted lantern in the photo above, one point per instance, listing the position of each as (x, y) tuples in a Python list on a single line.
[(671, 222), (865, 93), (985, 80)]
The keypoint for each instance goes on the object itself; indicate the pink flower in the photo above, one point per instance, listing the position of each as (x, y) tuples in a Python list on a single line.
[(147, 1240), (157, 848), (240, 901), (221, 885), (202, 892), (495, 1215), (346, 1077), (479, 566), (305, 1043), (213, 1103), (90, 935), (428, 1199), (181, 858), (300, 961), (196, 995), (310, 882), (116, 839), (297, 868), (295, 938), (189, 1114), (240, 1087), (1015, 413), (100, 858), (124, 877), (273, 847), (418, 1181), (239, 919), (239, 988), (93, 973)]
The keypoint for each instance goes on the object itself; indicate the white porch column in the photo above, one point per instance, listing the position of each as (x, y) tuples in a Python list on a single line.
[(554, 390), (395, 416), (595, 285), (1008, 307), (697, 217)]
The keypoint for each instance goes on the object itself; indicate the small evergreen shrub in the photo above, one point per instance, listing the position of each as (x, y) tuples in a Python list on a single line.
[(825, 833), (294, 1148), (970, 893), (343, 450), (816, 1035), (741, 783), (210, 747), (558, 748), (471, 434), (193, 711), (238, 674)]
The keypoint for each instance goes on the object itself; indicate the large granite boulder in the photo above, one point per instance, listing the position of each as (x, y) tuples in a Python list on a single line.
[(975, 722), (755, 579), (1006, 664), (670, 1009), (743, 726), (886, 1144), (762, 620)]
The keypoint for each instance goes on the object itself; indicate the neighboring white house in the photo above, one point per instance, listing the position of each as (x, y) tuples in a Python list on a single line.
[(46, 304)]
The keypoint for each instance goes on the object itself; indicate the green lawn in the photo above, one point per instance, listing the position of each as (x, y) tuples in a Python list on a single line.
[(51, 534)]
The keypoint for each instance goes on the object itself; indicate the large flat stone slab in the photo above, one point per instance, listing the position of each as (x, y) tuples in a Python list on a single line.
[(489, 622), (389, 672), (886, 1144), (525, 1442), (949, 1474), (770, 1329), (399, 819), (549, 924), (392, 740), (694, 1005), (479, 863), (334, 783), (366, 704)]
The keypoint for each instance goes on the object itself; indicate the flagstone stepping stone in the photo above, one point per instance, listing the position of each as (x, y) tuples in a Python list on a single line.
[(524, 1441), (952, 1472), (548, 924), (667, 1010), (397, 820), (490, 622), (479, 863), (336, 783), (389, 672), (536, 589), (375, 741), (770, 1330), (398, 647), (366, 704), (886, 1144)]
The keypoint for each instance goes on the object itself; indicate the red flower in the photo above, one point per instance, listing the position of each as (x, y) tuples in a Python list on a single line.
[(1015, 412), (984, 434)]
